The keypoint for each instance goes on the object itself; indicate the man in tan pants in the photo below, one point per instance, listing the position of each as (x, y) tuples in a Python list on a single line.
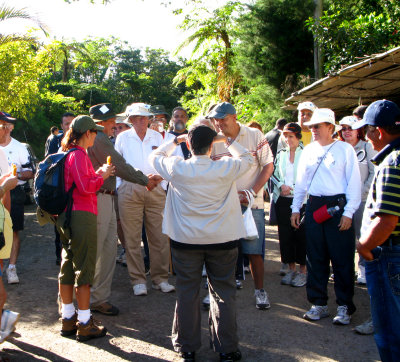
[(136, 205), (106, 218)]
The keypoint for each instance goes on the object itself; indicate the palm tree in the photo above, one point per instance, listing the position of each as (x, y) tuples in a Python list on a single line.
[(215, 28), (7, 13)]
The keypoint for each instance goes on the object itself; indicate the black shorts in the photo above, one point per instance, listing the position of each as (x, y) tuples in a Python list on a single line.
[(17, 208)]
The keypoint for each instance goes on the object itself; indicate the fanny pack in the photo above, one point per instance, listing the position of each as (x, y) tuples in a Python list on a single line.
[(328, 210)]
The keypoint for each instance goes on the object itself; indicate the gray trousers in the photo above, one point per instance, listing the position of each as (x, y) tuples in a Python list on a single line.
[(186, 328)]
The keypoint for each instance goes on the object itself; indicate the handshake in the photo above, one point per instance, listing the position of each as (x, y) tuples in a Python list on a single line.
[(154, 180)]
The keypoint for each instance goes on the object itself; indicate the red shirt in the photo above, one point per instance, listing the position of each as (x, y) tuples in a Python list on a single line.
[(79, 169)]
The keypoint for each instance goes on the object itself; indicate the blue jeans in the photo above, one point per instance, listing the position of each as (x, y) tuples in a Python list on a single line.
[(256, 246), (383, 282)]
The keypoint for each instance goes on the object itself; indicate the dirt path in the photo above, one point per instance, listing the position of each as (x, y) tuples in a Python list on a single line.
[(141, 331)]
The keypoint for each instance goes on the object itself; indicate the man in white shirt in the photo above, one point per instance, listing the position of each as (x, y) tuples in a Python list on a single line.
[(203, 219), (137, 205), (18, 155), (224, 115)]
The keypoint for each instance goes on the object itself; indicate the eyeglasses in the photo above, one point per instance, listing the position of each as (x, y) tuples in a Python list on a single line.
[(3, 125), (93, 131)]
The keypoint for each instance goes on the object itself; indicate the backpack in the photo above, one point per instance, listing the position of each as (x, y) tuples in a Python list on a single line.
[(49, 187)]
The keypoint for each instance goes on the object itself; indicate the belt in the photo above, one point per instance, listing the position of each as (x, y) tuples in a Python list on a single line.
[(393, 240), (107, 192)]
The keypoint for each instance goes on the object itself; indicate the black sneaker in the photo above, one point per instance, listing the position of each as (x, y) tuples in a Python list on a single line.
[(187, 356), (230, 357)]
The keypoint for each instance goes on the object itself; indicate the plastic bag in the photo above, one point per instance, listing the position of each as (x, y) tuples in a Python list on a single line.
[(249, 223)]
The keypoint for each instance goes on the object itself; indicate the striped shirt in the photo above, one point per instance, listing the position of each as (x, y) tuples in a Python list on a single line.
[(257, 144), (384, 194), (79, 169)]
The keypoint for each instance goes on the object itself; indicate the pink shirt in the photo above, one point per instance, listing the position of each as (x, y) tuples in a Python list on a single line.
[(79, 169)]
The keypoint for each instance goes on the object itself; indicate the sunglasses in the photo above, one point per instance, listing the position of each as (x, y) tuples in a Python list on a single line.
[(93, 131), (345, 129), (316, 126), (3, 125)]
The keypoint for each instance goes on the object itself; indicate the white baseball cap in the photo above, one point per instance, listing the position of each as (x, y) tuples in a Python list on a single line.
[(138, 109), (307, 105), (321, 115), (348, 120)]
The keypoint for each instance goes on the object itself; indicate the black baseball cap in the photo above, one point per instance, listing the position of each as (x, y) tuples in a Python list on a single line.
[(380, 114), (292, 127), (7, 117), (102, 112)]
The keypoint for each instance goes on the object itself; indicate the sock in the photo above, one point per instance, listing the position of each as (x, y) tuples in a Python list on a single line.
[(67, 310), (11, 266), (83, 316)]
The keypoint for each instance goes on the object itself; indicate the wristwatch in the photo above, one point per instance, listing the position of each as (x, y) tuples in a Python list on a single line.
[(253, 193), (176, 141)]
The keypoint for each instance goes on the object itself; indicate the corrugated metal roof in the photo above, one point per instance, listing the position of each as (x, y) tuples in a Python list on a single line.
[(376, 77)]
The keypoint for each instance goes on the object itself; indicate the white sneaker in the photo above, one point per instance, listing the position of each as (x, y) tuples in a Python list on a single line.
[(299, 280), (316, 313), (140, 289), (284, 269), (8, 321), (206, 302), (365, 328), (12, 276), (288, 278), (165, 287), (262, 301), (342, 316), (361, 275)]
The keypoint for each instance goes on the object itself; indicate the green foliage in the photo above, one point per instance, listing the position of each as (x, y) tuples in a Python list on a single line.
[(274, 43), (21, 67), (348, 31)]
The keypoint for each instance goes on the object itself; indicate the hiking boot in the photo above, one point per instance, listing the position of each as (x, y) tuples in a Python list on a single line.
[(105, 308), (140, 289), (262, 301), (12, 276), (300, 280), (68, 326), (165, 287), (288, 278), (342, 316), (90, 330), (239, 284), (230, 357), (316, 313), (365, 328), (284, 269), (8, 321)]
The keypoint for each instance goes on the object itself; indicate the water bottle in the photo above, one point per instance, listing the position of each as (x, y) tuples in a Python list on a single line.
[(333, 210)]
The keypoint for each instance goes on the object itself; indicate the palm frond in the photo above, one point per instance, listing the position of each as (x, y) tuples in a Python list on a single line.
[(7, 13), (8, 38)]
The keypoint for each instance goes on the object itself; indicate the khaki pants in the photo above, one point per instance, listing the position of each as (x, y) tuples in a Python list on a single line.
[(106, 249), (136, 204)]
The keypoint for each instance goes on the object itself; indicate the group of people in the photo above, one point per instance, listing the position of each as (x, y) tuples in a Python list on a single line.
[(184, 192)]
